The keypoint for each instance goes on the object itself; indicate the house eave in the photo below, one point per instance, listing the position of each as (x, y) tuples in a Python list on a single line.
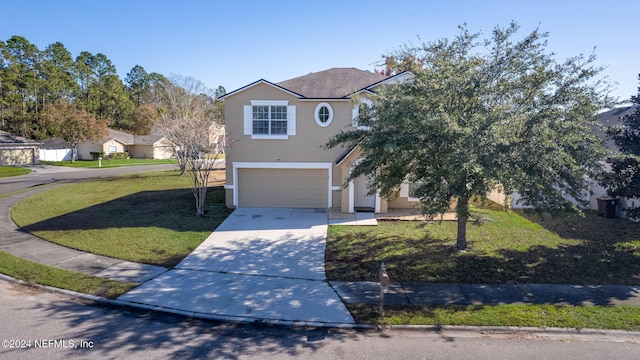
[(261, 81), (344, 99), (345, 155)]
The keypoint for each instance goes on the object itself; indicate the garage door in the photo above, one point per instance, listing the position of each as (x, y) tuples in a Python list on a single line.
[(296, 188)]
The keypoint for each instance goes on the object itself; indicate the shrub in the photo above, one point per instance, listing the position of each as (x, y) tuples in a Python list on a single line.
[(118, 155), (96, 154)]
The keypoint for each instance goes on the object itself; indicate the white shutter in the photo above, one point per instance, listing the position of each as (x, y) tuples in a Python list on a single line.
[(248, 120), (291, 120), (355, 114), (404, 190)]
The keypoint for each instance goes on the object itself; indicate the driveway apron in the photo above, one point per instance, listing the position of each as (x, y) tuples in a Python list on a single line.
[(259, 264)]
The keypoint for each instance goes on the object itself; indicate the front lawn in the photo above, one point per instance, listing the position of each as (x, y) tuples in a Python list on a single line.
[(6, 171), (148, 218), (508, 248), (109, 163)]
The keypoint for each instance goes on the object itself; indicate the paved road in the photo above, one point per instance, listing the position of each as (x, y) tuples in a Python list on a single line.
[(55, 320), (44, 174)]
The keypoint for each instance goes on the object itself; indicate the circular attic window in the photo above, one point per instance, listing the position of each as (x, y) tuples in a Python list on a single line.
[(324, 114)]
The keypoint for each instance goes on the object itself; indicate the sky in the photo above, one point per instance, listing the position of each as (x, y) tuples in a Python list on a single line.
[(233, 43)]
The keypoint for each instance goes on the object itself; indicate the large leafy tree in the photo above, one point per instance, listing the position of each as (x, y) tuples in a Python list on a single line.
[(624, 177), (187, 110), (480, 115), (73, 125)]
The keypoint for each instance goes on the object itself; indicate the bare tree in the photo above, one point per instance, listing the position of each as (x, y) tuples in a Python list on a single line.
[(186, 109)]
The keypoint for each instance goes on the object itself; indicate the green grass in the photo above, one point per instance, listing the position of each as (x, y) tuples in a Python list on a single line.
[(509, 248), (148, 218), (7, 171), (577, 317), (109, 163), (35, 273)]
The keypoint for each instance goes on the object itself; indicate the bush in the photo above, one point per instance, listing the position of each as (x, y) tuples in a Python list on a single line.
[(118, 155), (97, 154)]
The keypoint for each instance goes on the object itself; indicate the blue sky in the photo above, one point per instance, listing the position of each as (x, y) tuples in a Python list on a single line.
[(235, 42)]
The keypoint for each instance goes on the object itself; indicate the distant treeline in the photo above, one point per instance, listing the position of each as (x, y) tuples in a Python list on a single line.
[(32, 79)]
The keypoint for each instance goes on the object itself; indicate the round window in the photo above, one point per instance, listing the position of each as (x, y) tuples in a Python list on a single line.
[(324, 114)]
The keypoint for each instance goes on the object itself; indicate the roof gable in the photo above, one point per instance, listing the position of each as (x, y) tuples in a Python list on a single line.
[(124, 138), (335, 83), (261, 81)]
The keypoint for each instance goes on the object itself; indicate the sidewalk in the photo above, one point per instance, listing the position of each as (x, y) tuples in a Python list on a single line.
[(17, 242), (487, 294)]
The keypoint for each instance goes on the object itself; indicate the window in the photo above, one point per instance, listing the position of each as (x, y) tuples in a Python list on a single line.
[(113, 149), (323, 114), (269, 119), (407, 190), (360, 110)]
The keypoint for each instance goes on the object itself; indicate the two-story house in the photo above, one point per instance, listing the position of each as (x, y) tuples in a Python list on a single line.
[(276, 134)]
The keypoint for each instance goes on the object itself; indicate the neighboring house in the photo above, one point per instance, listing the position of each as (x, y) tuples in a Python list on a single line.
[(608, 119), (276, 134), (217, 138), (17, 150), (595, 191), (151, 146)]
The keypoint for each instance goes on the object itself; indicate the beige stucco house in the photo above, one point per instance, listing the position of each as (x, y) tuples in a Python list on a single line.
[(18, 150), (276, 134), (151, 146)]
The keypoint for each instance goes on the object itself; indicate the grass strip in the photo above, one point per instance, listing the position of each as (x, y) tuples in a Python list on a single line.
[(35, 273), (7, 171), (544, 316)]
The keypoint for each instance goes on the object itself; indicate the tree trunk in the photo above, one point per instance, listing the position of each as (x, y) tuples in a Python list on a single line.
[(74, 153), (200, 195), (199, 171), (462, 211)]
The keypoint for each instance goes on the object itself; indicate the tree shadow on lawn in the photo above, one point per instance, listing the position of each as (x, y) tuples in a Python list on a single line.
[(170, 209), (429, 259)]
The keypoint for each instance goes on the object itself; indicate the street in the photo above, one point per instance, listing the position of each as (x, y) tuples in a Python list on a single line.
[(44, 174), (37, 324)]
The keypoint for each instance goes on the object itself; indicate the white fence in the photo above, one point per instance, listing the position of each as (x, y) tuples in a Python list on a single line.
[(55, 154)]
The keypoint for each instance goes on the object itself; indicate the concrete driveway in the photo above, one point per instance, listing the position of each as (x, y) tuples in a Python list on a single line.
[(262, 264)]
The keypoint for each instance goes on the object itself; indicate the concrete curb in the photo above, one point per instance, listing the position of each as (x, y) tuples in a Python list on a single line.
[(601, 334)]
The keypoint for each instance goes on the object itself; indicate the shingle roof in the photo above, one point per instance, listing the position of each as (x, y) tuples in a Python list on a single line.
[(11, 139), (55, 143), (332, 84), (611, 118), (123, 137), (146, 139), (129, 139)]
